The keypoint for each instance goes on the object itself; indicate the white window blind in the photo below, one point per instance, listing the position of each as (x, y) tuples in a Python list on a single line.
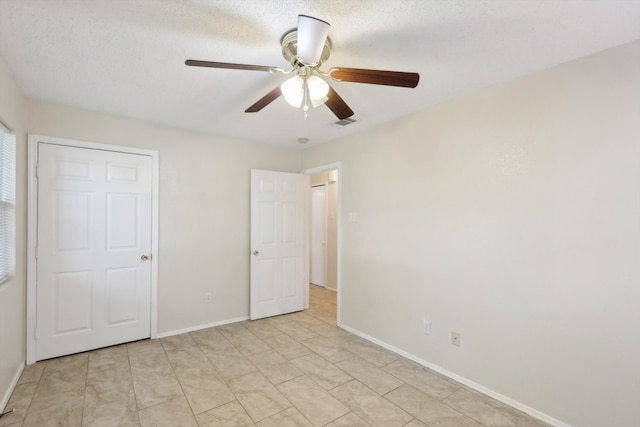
[(7, 202)]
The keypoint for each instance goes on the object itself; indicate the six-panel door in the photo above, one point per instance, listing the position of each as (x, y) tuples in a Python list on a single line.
[(94, 230), (278, 268)]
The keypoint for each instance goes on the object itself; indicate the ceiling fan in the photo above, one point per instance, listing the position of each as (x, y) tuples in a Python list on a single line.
[(306, 48)]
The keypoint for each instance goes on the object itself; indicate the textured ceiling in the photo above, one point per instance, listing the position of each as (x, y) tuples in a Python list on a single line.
[(126, 57)]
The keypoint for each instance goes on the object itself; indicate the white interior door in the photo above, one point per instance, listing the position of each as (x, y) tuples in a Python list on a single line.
[(279, 269), (318, 234), (93, 248)]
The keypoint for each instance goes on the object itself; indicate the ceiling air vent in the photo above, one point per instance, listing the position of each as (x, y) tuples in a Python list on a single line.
[(345, 122)]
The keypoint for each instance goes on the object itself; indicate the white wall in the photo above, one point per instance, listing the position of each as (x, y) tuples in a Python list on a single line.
[(513, 217), (204, 208), (13, 292)]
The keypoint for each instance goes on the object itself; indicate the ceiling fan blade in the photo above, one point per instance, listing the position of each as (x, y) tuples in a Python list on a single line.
[(264, 101), (312, 34), (337, 105), (376, 77), (196, 63)]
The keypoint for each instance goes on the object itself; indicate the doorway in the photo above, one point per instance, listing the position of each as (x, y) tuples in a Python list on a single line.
[(324, 252)]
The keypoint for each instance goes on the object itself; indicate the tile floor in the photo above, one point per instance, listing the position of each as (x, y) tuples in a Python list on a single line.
[(292, 370)]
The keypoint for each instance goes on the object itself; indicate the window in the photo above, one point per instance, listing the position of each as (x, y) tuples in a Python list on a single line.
[(7, 202)]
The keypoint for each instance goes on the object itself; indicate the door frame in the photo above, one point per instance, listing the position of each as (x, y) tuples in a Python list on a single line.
[(325, 168), (32, 226), (325, 215)]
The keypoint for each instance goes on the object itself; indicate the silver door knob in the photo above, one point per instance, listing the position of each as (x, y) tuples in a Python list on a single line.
[(144, 257), (256, 253)]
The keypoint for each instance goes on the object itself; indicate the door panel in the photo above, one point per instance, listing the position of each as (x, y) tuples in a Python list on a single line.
[(278, 243), (121, 295), (73, 215), (94, 223), (72, 302), (122, 228), (289, 277), (267, 272)]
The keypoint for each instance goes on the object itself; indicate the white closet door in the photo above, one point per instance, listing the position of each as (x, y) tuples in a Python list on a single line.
[(94, 245)]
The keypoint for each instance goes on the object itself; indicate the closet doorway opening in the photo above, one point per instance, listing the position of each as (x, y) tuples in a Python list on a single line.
[(325, 243)]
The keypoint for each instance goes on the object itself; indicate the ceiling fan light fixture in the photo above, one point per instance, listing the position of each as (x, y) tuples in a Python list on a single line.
[(312, 34), (293, 91)]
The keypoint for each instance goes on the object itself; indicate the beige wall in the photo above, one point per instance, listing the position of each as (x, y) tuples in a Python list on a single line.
[(318, 179), (513, 217), (13, 292), (204, 208)]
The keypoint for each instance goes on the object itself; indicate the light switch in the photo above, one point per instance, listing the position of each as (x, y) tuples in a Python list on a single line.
[(353, 217)]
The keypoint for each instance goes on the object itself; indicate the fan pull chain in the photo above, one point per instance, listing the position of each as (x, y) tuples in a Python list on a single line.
[(306, 98)]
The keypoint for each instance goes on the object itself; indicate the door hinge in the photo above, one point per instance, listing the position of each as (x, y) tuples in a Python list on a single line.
[(37, 170), (35, 333), (36, 252)]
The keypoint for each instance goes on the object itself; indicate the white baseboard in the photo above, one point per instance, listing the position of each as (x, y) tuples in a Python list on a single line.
[(14, 383), (199, 327), (502, 398), (324, 287)]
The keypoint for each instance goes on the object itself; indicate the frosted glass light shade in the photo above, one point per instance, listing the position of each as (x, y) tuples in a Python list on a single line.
[(294, 88), (318, 90), (293, 91)]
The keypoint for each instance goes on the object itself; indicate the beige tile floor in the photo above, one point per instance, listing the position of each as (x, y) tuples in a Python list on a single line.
[(292, 370)]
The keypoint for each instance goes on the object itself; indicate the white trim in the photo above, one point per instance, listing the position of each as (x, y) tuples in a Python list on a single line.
[(199, 327), (482, 389), (155, 234), (12, 387), (32, 226), (324, 184), (324, 287), (325, 168), (307, 239), (32, 239)]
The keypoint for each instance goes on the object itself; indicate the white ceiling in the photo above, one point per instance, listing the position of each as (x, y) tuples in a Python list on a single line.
[(126, 57)]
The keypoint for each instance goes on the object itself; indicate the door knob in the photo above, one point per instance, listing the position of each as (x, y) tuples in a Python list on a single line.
[(144, 257), (256, 253)]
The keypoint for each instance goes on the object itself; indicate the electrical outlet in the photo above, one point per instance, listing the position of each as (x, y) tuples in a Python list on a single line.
[(426, 327), (208, 297), (455, 338)]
